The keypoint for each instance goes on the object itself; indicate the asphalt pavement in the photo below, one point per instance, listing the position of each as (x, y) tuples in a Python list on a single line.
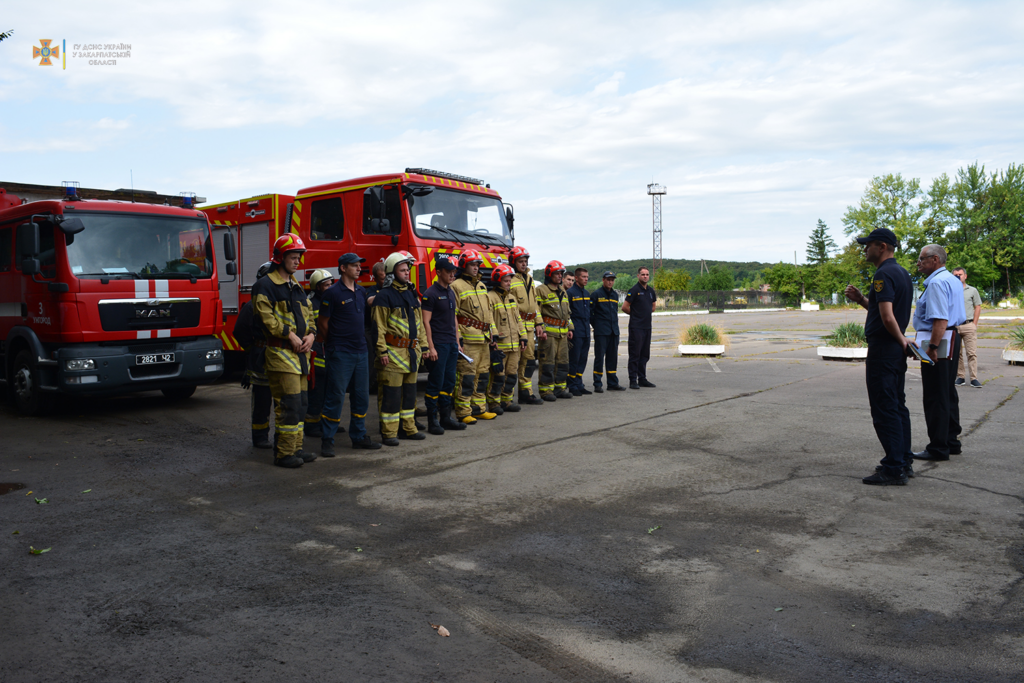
[(714, 528)]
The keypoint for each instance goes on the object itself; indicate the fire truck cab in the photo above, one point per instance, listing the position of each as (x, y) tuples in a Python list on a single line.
[(106, 296), (427, 213)]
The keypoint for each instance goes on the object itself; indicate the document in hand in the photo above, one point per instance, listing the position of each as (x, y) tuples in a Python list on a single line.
[(945, 349)]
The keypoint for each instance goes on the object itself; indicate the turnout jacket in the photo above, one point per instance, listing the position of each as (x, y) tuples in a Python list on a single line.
[(506, 319), (471, 303), (525, 293), (604, 311), (399, 322), (280, 306), (554, 309)]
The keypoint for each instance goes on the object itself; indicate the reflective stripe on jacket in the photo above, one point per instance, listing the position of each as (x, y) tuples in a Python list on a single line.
[(471, 302), (397, 312), (525, 292), (280, 306), (554, 304)]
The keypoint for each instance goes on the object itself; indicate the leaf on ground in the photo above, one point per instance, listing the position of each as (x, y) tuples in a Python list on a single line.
[(86, 491), (441, 630), (38, 552), (42, 501), (653, 529), (778, 609), (375, 525), (359, 550), (15, 533)]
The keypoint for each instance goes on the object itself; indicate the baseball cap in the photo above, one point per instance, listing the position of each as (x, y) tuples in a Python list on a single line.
[(444, 264), (880, 235), (608, 273), (346, 259)]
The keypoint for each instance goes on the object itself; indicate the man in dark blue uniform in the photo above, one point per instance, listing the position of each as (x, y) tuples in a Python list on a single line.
[(579, 308), (604, 318), (342, 312), (639, 305), (888, 303), (442, 348)]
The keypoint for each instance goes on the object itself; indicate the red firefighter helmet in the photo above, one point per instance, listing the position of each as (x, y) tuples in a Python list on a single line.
[(517, 252), (553, 267), (285, 243), (469, 256), (500, 271)]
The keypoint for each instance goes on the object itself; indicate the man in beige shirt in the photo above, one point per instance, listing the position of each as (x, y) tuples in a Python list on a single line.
[(969, 333)]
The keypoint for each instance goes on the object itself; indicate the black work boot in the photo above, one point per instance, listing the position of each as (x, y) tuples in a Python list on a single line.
[(290, 461), (563, 393), (495, 408), (528, 399), (510, 407), (415, 436), (447, 422), (433, 425)]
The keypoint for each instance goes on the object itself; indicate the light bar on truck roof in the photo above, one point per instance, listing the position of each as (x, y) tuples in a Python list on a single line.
[(442, 174), (70, 189), (188, 199)]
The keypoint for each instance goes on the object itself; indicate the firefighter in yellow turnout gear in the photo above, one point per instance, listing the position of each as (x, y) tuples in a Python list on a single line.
[(477, 331), (558, 328), (511, 339), (525, 292), (400, 341), (285, 320)]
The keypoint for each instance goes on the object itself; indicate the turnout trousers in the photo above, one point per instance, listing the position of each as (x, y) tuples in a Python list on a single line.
[(396, 402), (554, 364), (578, 358), (262, 401), (345, 371), (441, 381), (501, 387), (886, 376), (289, 392), (528, 361), (639, 353), (471, 380), (942, 403), (606, 358)]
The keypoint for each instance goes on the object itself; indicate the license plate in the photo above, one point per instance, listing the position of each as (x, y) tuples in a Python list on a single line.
[(154, 358)]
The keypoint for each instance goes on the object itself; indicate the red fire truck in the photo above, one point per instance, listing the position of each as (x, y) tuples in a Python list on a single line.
[(427, 213), (106, 296)]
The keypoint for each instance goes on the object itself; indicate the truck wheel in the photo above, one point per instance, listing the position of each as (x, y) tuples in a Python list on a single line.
[(179, 393), (28, 397)]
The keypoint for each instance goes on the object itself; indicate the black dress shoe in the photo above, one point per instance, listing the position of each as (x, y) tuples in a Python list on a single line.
[(616, 387), (883, 479), (648, 385), (634, 385), (925, 455), (907, 470)]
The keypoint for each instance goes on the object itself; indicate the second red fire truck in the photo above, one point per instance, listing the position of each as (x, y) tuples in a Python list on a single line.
[(428, 213)]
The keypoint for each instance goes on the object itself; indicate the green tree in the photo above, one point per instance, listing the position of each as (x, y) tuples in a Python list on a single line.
[(1007, 211), (785, 278), (719, 278), (671, 280), (891, 202), (820, 245)]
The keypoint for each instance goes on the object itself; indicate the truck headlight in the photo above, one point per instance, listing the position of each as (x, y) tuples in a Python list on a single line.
[(214, 355), (80, 364)]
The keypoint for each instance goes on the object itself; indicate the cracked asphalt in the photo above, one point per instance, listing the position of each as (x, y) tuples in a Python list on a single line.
[(712, 529)]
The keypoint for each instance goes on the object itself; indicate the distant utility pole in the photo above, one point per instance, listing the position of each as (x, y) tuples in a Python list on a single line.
[(656, 190)]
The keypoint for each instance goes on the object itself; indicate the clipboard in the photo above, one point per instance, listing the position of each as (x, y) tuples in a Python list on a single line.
[(945, 349)]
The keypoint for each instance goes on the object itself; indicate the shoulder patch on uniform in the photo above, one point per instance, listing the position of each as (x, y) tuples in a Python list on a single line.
[(879, 285)]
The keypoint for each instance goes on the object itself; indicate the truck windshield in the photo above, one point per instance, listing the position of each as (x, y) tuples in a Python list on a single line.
[(133, 246), (471, 217)]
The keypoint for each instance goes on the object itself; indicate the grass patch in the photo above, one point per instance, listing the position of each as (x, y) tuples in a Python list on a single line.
[(847, 335), (703, 334)]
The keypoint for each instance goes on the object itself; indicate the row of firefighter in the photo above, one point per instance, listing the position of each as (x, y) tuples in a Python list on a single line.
[(484, 330)]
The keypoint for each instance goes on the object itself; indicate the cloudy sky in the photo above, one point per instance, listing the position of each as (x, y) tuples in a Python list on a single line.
[(759, 117)]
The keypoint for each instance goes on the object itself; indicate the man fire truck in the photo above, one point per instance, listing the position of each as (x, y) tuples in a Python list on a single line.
[(105, 296), (426, 213)]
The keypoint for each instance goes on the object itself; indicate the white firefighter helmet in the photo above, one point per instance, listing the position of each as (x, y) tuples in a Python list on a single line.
[(318, 276)]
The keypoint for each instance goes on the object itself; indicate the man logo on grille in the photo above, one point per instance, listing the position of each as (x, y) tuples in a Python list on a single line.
[(44, 52)]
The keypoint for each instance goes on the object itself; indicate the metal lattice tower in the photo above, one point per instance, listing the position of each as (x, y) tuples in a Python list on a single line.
[(656, 190)]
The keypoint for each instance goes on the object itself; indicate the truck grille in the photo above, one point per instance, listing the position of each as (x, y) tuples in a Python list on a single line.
[(117, 315)]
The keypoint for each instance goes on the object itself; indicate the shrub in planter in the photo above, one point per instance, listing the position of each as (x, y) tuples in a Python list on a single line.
[(847, 335)]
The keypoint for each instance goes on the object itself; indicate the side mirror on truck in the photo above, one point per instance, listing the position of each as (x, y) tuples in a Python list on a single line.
[(28, 248), (510, 219), (71, 226), (230, 254), (373, 201)]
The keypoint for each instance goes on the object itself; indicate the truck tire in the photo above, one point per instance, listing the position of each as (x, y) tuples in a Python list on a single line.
[(28, 397), (179, 393)]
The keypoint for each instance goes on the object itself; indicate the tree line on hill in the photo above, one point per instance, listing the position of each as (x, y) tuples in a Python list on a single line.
[(675, 274)]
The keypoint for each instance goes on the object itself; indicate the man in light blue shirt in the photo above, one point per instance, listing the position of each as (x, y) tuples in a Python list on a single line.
[(940, 309)]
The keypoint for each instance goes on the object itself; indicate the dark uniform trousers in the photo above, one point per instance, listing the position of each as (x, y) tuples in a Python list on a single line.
[(639, 352), (885, 373), (606, 358), (578, 352), (942, 403), (262, 402)]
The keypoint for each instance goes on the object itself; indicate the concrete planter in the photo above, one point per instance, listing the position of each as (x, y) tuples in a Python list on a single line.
[(1013, 355), (810, 307), (842, 353), (701, 349)]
